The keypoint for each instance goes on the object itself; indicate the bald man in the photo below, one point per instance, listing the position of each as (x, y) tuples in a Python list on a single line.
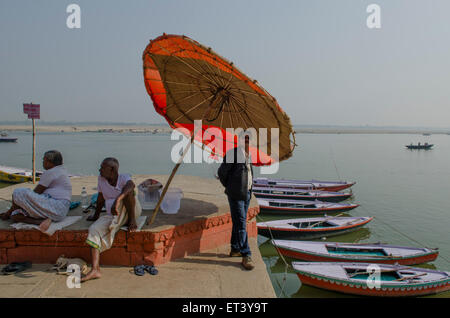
[(115, 193)]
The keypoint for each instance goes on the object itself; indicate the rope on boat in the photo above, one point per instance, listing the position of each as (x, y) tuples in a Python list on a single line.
[(334, 162), (408, 237), (286, 264)]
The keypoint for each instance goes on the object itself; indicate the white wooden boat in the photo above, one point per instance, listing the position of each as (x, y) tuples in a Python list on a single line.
[(303, 184), (302, 207), (309, 228), (351, 252), (370, 279), (299, 194)]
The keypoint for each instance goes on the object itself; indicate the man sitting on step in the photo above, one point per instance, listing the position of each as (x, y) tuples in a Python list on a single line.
[(48, 201), (115, 193)]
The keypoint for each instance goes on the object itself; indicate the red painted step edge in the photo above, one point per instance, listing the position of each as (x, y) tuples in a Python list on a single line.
[(129, 249)]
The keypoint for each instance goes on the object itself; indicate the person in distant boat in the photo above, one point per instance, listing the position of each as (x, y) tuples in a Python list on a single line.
[(50, 199), (115, 193), (237, 178)]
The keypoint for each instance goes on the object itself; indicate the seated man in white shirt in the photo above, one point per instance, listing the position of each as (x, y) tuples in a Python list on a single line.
[(50, 199), (115, 193)]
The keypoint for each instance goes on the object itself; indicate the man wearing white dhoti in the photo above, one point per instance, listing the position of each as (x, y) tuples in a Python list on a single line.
[(50, 199), (115, 193)]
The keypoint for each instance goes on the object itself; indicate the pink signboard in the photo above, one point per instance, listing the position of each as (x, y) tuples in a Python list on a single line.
[(32, 110)]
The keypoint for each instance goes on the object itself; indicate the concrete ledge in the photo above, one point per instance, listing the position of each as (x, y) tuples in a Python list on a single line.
[(203, 223), (210, 274)]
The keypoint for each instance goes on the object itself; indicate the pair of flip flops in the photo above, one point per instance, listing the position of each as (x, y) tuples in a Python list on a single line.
[(15, 267), (140, 270)]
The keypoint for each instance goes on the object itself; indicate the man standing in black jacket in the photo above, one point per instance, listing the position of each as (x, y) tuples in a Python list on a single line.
[(236, 176)]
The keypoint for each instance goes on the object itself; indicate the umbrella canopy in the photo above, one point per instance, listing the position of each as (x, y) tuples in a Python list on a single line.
[(187, 82)]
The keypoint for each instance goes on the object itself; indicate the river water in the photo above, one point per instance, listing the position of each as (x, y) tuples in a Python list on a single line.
[(408, 192)]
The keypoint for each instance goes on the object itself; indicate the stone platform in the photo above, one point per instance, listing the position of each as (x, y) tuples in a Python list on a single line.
[(202, 223)]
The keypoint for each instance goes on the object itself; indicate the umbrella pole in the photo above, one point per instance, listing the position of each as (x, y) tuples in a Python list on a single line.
[(166, 186)]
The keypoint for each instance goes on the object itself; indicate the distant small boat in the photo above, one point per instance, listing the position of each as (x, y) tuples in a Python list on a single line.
[(16, 175), (425, 146), (351, 252), (299, 207), (309, 228), (299, 194), (361, 279), (8, 139), (303, 184)]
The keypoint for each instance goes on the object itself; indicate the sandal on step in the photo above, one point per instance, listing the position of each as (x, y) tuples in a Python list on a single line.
[(15, 267), (151, 270), (139, 270)]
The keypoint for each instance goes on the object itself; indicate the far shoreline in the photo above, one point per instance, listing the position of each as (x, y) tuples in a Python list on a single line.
[(165, 129), (103, 128)]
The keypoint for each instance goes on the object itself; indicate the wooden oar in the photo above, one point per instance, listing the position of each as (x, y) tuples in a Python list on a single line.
[(410, 277), (385, 256), (326, 219), (344, 243), (352, 221), (381, 271)]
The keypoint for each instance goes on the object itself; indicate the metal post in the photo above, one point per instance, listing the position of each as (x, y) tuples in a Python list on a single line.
[(34, 152)]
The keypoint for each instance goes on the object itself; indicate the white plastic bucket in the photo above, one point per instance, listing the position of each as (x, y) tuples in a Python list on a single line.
[(171, 201), (148, 199)]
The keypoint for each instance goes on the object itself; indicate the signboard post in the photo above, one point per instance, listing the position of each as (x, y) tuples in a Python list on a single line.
[(33, 111)]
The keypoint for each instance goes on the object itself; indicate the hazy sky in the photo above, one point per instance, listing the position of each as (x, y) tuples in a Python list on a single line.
[(317, 57)]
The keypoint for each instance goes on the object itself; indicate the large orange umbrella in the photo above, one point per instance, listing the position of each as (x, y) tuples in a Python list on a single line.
[(187, 81)]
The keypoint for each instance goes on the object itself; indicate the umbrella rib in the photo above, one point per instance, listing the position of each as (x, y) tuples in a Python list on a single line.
[(208, 66), (239, 114), (249, 119), (246, 91), (177, 57), (231, 120), (221, 120), (208, 80), (184, 62), (184, 98), (212, 79), (177, 91), (229, 81), (195, 107), (263, 98), (249, 105), (194, 60), (186, 84), (217, 74), (207, 70), (254, 114), (231, 113)]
